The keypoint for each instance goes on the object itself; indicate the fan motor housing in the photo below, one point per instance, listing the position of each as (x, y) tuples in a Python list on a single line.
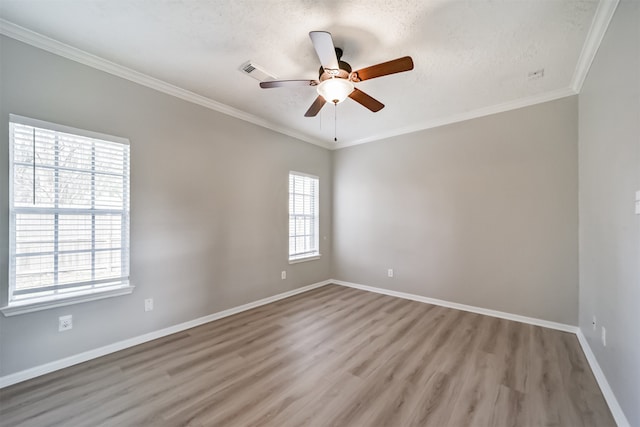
[(343, 73)]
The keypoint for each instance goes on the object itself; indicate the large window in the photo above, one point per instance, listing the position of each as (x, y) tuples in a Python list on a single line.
[(69, 212), (303, 217)]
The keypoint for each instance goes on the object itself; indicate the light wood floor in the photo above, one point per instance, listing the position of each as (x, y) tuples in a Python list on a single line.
[(332, 356)]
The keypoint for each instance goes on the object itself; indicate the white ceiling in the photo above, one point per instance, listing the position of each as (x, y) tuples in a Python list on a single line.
[(471, 57)]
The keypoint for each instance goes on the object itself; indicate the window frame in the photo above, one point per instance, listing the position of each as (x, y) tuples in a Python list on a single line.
[(119, 286), (314, 254)]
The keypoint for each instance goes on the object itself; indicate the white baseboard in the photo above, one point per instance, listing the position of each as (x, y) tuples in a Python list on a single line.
[(30, 373), (36, 371), (493, 313), (614, 406)]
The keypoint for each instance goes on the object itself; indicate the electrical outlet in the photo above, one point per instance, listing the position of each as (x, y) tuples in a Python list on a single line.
[(594, 324), (604, 336), (390, 272), (65, 323), (283, 274), (148, 304)]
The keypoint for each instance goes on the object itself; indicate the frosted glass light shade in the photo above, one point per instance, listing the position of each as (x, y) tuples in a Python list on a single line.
[(335, 90)]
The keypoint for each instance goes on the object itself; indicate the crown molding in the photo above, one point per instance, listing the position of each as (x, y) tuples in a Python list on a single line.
[(473, 114), (48, 44), (601, 20), (599, 25)]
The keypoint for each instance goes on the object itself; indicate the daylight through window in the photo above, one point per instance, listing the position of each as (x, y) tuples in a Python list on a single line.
[(303, 216), (69, 225)]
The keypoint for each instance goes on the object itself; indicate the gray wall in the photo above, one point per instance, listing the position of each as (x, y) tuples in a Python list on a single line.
[(482, 212), (208, 205), (609, 231)]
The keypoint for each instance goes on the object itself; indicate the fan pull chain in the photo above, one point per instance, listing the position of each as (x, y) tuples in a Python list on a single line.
[(335, 122)]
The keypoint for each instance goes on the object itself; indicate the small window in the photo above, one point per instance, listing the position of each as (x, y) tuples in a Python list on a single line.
[(69, 212), (303, 217)]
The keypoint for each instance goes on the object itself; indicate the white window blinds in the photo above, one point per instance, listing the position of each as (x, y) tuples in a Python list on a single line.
[(69, 224), (303, 216)]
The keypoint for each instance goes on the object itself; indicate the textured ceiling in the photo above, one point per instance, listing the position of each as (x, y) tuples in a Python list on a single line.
[(469, 56)]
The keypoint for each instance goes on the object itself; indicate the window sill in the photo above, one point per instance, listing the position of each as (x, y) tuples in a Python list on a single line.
[(23, 307), (305, 259)]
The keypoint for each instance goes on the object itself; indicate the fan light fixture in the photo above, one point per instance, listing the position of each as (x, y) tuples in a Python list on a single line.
[(335, 90)]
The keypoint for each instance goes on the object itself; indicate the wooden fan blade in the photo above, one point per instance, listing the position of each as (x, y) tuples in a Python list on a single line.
[(367, 101), (323, 44), (287, 83), (315, 107), (384, 69)]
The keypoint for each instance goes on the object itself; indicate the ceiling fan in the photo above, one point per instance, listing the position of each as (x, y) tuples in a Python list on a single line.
[(336, 80)]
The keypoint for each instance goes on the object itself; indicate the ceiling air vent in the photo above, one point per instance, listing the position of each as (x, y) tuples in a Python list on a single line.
[(255, 71)]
